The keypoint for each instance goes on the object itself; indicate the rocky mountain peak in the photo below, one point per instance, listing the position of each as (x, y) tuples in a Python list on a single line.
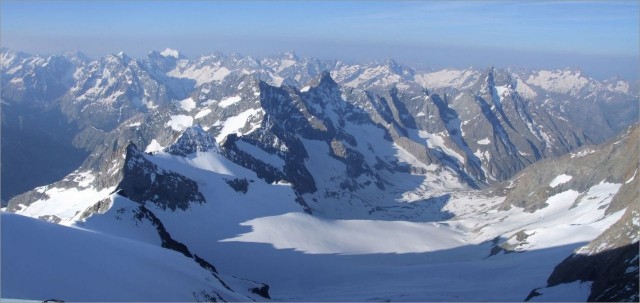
[(123, 57), (394, 67), (290, 55), (193, 139), (326, 79), (76, 57), (132, 153)]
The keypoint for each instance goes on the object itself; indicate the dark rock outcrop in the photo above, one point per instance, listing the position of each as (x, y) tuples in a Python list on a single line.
[(144, 182)]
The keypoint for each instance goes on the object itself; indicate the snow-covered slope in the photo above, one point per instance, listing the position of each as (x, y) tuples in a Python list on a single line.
[(42, 261)]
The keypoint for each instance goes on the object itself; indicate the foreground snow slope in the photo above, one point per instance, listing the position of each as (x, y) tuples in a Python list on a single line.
[(43, 261)]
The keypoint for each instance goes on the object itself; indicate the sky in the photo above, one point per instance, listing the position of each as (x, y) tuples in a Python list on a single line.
[(599, 37)]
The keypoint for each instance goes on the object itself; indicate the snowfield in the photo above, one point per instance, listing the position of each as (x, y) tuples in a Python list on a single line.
[(447, 78), (349, 237), (48, 261)]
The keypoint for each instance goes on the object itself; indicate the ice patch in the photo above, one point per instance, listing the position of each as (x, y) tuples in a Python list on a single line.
[(632, 177), (180, 122), (187, 104), (202, 113), (229, 101), (561, 179), (153, 147), (582, 153), (484, 141)]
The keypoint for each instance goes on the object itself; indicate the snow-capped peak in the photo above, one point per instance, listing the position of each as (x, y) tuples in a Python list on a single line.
[(120, 56), (170, 53), (560, 81)]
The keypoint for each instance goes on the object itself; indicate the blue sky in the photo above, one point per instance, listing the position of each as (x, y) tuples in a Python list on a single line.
[(602, 38)]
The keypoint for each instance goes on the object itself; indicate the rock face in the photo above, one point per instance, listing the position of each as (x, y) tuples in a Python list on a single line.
[(144, 182), (610, 260), (613, 267), (614, 162)]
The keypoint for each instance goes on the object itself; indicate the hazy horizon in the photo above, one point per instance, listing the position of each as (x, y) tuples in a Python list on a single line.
[(599, 38)]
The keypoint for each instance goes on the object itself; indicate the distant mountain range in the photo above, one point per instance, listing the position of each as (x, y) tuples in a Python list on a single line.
[(352, 171)]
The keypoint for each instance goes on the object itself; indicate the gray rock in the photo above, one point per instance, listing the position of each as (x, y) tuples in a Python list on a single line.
[(144, 182)]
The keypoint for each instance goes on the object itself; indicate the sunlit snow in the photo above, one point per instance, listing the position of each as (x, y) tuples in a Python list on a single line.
[(187, 104), (226, 102), (180, 122), (235, 123), (202, 113), (561, 179), (484, 141), (154, 146), (170, 53)]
